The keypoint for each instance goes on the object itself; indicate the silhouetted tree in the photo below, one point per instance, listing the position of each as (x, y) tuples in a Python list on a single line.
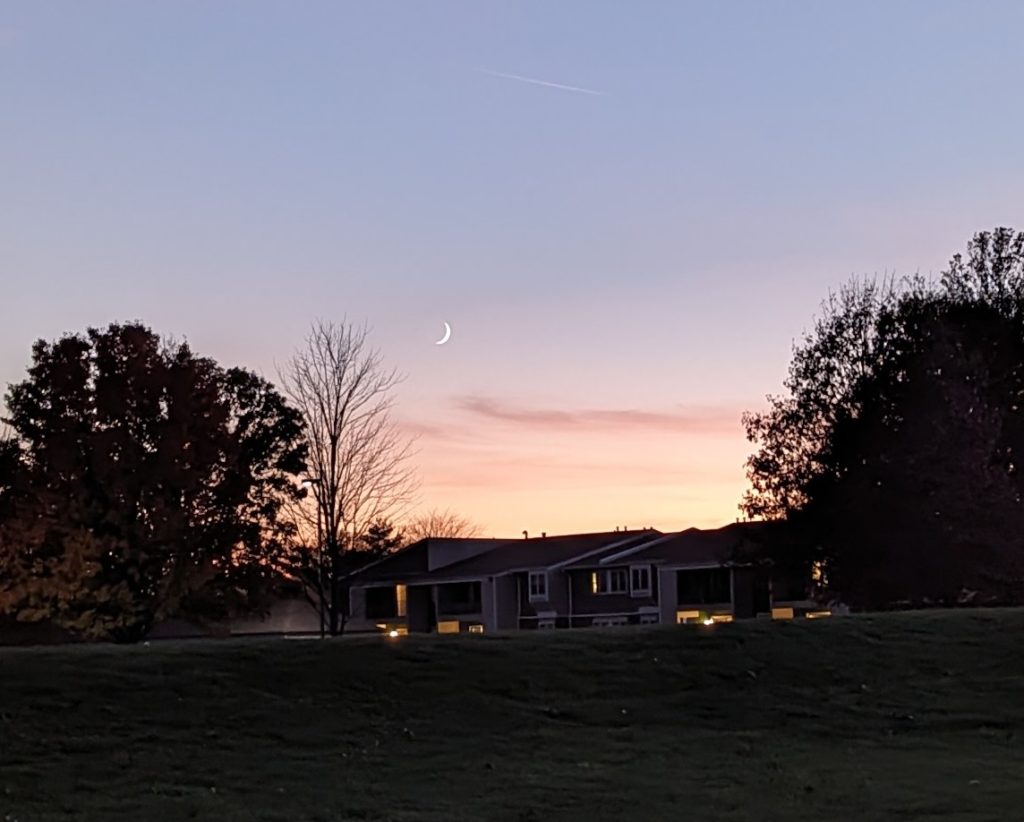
[(894, 456), (379, 540), (359, 461), (151, 485), (439, 524)]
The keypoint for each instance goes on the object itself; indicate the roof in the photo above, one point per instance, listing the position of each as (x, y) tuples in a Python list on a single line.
[(408, 561), (496, 556), (695, 546), (538, 553)]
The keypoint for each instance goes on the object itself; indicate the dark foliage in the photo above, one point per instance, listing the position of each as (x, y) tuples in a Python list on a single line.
[(149, 485), (895, 455)]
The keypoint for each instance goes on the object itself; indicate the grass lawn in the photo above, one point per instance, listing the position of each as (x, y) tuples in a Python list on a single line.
[(904, 716)]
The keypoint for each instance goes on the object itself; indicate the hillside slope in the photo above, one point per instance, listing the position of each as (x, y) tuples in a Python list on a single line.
[(904, 716)]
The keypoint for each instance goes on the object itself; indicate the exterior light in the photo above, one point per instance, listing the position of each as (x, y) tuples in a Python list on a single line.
[(392, 634), (709, 621)]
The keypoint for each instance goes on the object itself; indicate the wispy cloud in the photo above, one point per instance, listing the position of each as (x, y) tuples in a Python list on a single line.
[(426, 430), (545, 83), (9, 35), (697, 421)]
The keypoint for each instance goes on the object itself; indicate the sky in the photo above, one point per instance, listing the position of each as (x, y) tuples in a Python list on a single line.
[(627, 212)]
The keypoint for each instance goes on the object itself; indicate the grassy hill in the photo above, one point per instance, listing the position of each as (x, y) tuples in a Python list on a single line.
[(905, 716)]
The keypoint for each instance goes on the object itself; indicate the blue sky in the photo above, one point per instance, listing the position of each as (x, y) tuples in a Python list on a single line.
[(229, 171)]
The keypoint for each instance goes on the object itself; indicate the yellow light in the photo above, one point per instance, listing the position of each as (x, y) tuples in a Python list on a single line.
[(593, 582), (400, 600), (782, 613), (709, 621), (392, 634), (818, 614)]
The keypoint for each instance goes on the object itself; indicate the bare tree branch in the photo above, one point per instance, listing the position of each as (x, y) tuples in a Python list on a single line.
[(439, 524), (359, 462)]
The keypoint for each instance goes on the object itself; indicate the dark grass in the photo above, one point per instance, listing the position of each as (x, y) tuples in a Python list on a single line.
[(904, 716)]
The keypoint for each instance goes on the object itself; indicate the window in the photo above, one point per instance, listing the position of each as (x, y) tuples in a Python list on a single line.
[(476, 628), (615, 581), (545, 624), (400, 600), (381, 603), (458, 598), (704, 586), (648, 619), (640, 580), (538, 584)]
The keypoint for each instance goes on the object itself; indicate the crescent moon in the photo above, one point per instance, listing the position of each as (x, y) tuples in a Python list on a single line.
[(447, 335)]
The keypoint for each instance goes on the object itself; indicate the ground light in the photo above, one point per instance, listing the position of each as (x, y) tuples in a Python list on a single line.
[(392, 634)]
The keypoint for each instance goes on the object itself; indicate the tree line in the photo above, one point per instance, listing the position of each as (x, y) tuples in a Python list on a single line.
[(140, 481), (894, 454)]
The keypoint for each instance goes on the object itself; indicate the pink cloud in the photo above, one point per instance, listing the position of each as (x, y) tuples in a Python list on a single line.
[(696, 421)]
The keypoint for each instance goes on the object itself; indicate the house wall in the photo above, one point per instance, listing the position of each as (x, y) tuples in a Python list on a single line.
[(586, 604), (557, 601), (505, 593), (668, 595), (357, 620), (419, 608)]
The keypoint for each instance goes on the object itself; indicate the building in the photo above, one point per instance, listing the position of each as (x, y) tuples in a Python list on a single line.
[(579, 580)]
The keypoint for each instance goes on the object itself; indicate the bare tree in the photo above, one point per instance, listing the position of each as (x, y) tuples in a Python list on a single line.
[(439, 524), (359, 461)]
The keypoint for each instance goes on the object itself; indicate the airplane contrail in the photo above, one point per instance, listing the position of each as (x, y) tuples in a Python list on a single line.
[(536, 82)]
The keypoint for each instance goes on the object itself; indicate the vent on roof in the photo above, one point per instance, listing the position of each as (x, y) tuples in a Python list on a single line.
[(526, 535), (543, 534)]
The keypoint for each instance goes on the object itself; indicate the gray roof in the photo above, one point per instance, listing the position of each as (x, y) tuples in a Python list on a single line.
[(695, 546), (538, 553), (498, 557)]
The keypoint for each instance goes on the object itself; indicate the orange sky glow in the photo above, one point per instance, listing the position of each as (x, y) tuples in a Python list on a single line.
[(512, 468)]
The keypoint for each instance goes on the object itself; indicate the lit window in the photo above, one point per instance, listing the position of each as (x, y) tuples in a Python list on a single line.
[(538, 584), (615, 581), (618, 581), (640, 580), (448, 626), (476, 628), (400, 600)]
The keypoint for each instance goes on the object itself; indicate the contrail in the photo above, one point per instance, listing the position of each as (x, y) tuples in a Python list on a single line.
[(577, 89)]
